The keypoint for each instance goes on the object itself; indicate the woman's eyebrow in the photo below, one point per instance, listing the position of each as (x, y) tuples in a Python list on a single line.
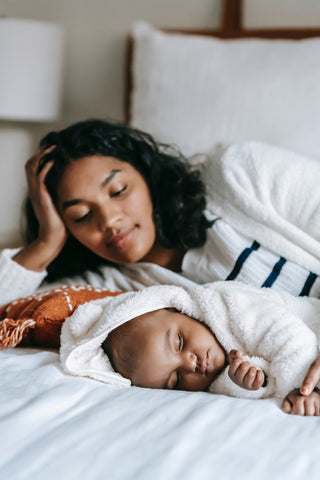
[(109, 177), (76, 201)]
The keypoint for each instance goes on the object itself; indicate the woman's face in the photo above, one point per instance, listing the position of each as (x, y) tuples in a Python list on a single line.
[(106, 205)]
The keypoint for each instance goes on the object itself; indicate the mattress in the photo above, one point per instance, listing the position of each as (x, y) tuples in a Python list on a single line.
[(56, 426)]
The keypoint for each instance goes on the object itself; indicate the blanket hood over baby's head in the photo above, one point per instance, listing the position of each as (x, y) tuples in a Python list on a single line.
[(84, 332)]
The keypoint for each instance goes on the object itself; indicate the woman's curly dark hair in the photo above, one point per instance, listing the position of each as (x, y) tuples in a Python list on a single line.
[(177, 192)]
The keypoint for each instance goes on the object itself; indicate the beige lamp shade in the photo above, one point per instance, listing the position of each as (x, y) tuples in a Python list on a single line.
[(31, 57)]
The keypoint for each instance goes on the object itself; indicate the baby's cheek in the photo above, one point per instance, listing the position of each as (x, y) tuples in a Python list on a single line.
[(196, 383)]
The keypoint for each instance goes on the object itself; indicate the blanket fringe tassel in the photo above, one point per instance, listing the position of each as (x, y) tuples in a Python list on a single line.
[(12, 331)]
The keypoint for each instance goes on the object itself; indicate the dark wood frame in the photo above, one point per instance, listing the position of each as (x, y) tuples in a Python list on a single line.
[(231, 28)]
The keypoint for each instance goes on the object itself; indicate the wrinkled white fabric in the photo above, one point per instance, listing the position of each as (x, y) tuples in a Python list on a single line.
[(78, 428)]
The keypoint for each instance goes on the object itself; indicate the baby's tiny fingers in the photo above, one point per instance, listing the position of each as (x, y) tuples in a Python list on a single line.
[(309, 408), (250, 376), (233, 354), (236, 366), (259, 380), (286, 406)]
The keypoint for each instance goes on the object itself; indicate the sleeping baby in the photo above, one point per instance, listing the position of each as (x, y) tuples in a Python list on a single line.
[(223, 337)]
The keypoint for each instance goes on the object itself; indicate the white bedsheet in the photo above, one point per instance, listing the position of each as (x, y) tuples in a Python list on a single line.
[(55, 426)]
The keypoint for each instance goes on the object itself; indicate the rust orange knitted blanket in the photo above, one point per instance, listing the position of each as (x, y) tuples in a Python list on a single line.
[(37, 320)]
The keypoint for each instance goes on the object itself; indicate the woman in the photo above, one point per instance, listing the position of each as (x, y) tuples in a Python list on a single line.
[(107, 202)]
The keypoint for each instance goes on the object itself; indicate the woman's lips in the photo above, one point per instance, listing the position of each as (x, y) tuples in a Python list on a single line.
[(121, 239)]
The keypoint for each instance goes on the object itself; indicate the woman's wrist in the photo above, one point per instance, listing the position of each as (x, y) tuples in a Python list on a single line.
[(37, 255)]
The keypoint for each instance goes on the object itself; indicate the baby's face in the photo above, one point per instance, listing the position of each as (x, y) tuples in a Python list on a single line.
[(172, 351)]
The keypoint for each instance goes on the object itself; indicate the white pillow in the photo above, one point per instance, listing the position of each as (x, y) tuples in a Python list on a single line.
[(198, 91)]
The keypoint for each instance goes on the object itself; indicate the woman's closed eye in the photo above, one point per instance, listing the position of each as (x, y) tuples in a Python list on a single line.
[(84, 217), (120, 191)]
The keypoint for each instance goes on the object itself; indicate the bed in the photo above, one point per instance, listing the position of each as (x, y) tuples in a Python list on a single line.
[(58, 426)]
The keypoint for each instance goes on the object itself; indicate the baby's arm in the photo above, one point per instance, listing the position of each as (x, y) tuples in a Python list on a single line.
[(243, 373), (297, 404)]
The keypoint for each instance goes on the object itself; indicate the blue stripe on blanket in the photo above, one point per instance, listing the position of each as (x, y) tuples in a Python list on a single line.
[(241, 259), (275, 273), (308, 285)]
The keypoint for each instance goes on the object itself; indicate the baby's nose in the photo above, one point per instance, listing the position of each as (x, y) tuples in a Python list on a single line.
[(190, 362)]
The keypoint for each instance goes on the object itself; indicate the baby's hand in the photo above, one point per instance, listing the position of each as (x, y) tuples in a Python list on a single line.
[(297, 404), (244, 373)]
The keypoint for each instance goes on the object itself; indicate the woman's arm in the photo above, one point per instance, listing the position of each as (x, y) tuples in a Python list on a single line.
[(22, 271), (52, 232), (15, 280)]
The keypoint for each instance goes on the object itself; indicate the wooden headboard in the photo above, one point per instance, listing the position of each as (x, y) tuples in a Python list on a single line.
[(231, 28)]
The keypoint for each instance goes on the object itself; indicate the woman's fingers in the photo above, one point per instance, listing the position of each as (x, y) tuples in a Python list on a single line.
[(43, 173), (35, 178), (38, 154), (51, 227), (312, 378), (32, 164)]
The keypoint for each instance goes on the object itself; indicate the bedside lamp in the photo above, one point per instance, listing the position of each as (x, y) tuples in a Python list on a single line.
[(30, 70), (31, 58)]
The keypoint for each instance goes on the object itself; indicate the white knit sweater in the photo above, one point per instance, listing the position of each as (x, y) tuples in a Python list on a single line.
[(266, 193)]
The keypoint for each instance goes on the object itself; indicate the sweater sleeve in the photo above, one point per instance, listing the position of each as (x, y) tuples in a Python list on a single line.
[(15, 280), (270, 194), (266, 326)]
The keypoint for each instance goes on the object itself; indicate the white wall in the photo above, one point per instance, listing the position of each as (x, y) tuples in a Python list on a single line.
[(95, 42), (279, 13), (95, 39)]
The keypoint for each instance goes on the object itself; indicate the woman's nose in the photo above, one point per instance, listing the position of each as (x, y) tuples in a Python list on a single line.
[(189, 362), (107, 218)]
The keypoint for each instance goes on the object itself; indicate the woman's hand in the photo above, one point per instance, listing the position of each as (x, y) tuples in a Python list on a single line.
[(244, 373), (51, 226), (52, 231), (297, 404), (311, 379)]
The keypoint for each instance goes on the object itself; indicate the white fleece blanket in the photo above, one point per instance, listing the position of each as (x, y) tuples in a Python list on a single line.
[(270, 194), (274, 330)]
